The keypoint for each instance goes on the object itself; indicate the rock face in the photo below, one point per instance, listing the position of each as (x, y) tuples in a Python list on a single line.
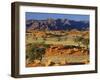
[(64, 55), (56, 24)]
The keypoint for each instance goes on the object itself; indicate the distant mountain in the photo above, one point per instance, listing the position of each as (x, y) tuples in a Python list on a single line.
[(56, 24)]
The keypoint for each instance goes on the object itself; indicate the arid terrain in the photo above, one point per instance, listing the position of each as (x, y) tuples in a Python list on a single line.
[(56, 47)]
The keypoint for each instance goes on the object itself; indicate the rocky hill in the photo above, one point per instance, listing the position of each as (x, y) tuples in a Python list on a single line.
[(56, 24)]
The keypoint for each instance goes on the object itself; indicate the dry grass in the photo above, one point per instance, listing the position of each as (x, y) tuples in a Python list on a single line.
[(60, 57)]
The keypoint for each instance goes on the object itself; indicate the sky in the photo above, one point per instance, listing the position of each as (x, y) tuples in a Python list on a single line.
[(43, 16)]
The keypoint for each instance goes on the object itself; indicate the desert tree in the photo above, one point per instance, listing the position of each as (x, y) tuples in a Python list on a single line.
[(78, 40), (86, 42), (34, 52)]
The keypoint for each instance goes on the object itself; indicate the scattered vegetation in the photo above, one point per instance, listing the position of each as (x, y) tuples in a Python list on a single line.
[(66, 44)]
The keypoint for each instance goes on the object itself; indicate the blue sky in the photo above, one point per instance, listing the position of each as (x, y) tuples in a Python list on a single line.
[(42, 16)]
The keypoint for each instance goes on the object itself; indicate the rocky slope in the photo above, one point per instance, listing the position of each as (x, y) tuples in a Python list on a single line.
[(56, 24)]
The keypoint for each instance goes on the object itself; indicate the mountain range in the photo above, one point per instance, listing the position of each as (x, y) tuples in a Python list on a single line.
[(56, 24)]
